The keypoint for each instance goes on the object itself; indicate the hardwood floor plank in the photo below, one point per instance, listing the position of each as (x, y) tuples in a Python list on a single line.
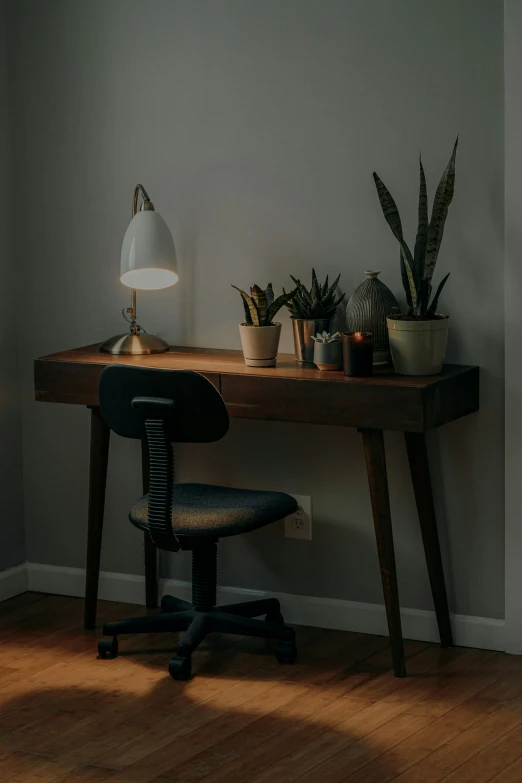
[(439, 764), (337, 715)]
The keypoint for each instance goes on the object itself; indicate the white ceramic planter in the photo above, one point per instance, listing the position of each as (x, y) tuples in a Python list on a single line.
[(260, 344), (418, 347)]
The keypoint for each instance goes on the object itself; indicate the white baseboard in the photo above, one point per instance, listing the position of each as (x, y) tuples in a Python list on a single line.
[(13, 581), (482, 632)]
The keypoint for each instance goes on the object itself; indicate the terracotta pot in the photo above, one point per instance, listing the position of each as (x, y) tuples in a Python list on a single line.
[(260, 344), (328, 356), (418, 347)]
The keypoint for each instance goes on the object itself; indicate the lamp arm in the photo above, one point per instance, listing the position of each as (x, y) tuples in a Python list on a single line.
[(145, 196), (147, 204)]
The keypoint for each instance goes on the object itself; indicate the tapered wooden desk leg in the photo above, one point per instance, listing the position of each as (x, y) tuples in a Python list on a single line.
[(151, 553), (378, 481), (420, 476), (100, 436)]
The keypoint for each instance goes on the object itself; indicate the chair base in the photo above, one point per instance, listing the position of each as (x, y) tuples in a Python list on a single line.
[(178, 615)]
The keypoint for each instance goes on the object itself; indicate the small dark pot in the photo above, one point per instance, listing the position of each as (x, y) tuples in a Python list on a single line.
[(328, 356)]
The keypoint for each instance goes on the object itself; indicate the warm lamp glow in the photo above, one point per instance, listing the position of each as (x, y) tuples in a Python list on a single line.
[(149, 279)]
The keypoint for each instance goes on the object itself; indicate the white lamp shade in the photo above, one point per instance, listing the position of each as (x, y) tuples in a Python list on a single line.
[(148, 255)]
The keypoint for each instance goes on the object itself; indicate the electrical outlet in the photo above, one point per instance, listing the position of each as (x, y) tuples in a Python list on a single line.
[(299, 524)]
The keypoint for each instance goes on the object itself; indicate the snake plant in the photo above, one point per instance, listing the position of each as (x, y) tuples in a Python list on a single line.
[(261, 306), (318, 302), (417, 269)]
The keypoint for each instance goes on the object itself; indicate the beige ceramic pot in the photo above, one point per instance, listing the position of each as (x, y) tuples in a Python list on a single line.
[(418, 347), (260, 344)]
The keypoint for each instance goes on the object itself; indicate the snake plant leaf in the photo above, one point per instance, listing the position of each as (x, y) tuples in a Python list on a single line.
[(421, 241), (260, 301), (432, 309), (405, 282), (249, 302), (269, 291), (411, 282), (391, 215), (277, 304), (439, 213)]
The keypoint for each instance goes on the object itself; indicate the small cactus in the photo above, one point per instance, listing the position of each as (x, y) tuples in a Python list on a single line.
[(318, 302), (326, 337)]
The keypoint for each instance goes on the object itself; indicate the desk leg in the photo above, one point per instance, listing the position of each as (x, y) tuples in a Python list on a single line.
[(420, 476), (377, 477), (151, 553), (100, 435)]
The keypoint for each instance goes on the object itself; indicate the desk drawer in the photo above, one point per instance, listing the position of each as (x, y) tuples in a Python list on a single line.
[(75, 382), (347, 403)]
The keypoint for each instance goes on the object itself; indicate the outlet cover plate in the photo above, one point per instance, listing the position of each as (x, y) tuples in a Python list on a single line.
[(299, 524)]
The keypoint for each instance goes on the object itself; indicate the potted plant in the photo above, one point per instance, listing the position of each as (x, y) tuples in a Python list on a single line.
[(311, 312), (328, 351), (259, 335), (418, 337)]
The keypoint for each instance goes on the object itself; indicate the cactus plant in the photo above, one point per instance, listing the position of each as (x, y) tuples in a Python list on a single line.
[(417, 269), (261, 306), (326, 337), (318, 302)]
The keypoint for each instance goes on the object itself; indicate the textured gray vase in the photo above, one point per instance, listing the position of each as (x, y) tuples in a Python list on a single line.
[(367, 310)]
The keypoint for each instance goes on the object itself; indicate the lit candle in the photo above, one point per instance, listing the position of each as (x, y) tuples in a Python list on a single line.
[(358, 354)]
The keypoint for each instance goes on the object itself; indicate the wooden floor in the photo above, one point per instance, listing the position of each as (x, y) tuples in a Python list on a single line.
[(337, 715)]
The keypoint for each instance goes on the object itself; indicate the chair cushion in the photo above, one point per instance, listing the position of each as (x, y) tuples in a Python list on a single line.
[(207, 510)]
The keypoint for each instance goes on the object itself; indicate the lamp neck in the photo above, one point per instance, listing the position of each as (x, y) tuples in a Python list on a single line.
[(146, 205)]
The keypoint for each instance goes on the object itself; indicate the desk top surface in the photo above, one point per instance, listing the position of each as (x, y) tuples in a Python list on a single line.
[(288, 392), (228, 362)]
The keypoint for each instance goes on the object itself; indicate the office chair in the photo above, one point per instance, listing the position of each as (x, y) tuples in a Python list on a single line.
[(179, 406)]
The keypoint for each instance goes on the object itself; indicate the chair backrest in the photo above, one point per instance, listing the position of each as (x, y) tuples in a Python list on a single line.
[(199, 415)]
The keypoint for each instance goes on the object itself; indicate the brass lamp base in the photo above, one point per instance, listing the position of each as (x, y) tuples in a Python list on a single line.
[(134, 344)]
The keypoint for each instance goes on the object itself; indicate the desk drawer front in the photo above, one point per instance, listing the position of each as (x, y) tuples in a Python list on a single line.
[(75, 383), (347, 404)]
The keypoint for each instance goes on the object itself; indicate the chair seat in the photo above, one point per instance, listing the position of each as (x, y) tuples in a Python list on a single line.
[(208, 510)]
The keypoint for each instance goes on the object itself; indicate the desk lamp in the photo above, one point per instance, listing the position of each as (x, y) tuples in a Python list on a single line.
[(148, 262)]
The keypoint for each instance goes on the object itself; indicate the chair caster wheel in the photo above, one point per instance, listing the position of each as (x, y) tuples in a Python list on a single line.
[(108, 649), (286, 652), (275, 617), (180, 668)]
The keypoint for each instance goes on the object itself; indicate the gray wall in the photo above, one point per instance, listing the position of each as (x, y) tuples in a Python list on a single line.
[(11, 517), (255, 126)]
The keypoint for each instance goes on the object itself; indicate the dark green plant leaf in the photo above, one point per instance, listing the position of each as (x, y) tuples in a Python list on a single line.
[(391, 214), (260, 301), (435, 301), (315, 291), (419, 255), (269, 291), (411, 282), (439, 212), (277, 304), (249, 302), (405, 282)]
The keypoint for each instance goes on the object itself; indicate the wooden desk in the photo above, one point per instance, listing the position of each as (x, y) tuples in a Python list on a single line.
[(288, 392)]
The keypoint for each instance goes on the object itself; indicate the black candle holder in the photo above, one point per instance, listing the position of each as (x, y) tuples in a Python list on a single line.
[(358, 354)]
